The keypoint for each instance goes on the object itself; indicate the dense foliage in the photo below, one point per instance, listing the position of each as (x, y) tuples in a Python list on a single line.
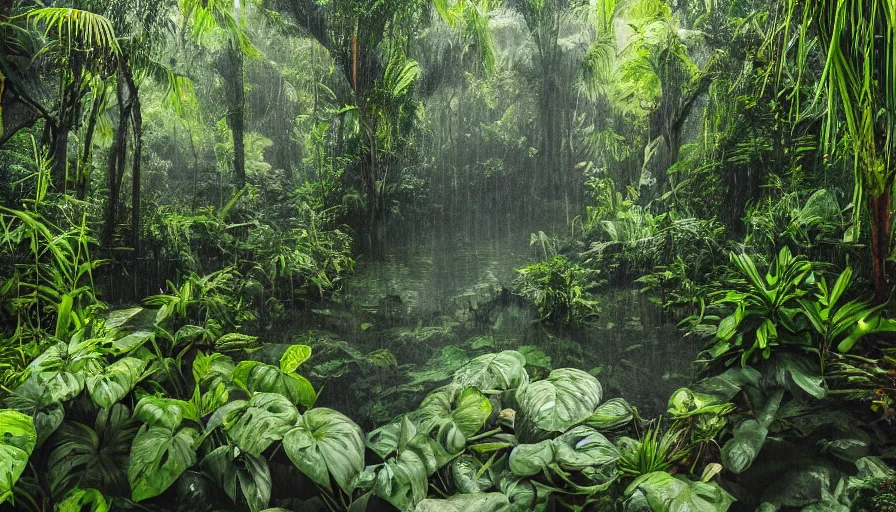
[(710, 184)]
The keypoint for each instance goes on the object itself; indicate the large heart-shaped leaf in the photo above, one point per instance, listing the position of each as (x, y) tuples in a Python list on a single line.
[(586, 450), (77, 500), (741, 450), (504, 370), (115, 382), (567, 397), (167, 412), (245, 475), (468, 475), (453, 410), (211, 370), (17, 440), (611, 414), (255, 377), (390, 438), (294, 357), (663, 492), (159, 456), (35, 399), (131, 342), (480, 502), (324, 443), (93, 457), (265, 420), (531, 459), (63, 386), (403, 480)]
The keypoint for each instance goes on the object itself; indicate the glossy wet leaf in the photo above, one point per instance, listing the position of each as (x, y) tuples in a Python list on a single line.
[(584, 448), (547, 407), (741, 450), (35, 400), (454, 410), (17, 440), (78, 499), (326, 442), (666, 493), (257, 377), (115, 382), (501, 371), (531, 459), (464, 471), (294, 356), (167, 412), (159, 455), (611, 414), (265, 419), (480, 502)]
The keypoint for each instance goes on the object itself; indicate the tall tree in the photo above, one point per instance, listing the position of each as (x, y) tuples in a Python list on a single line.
[(858, 41)]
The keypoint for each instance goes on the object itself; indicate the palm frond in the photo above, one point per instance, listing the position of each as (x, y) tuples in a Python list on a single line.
[(75, 25)]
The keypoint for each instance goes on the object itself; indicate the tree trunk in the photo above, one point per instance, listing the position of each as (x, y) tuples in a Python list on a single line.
[(236, 112), (118, 153), (85, 167), (137, 126), (879, 212)]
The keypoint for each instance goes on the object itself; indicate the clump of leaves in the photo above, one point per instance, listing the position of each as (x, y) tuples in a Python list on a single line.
[(561, 289)]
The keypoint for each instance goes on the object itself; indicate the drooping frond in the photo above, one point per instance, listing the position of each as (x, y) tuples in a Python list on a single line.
[(74, 25)]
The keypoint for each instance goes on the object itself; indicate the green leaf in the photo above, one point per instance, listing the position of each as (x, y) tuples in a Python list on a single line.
[(804, 486), (466, 472), (255, 377), (120, 317), (586, 450), (93, 457), (265, 419), (131, 342), (501, 371), (741, 450), (76, 500), (211, 370), (666, 493), (116, 381), (325, 442), (17, 440), (294, 357), (479, 502), (167, 412), (244, 475), (34, 399), (804, 375), (403, 480), (453, 407), (159, 456), (188, 334), (531, 459), (535, 357), (611, 414), (566, 398)]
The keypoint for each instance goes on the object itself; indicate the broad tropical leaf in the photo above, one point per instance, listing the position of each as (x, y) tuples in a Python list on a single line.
[(115, 382), (501, 371), (294, 357), (566, 398), (159, 456), (17, 440), (324, 443)]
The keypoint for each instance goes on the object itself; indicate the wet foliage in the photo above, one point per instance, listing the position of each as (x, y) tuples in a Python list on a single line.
[(472, 255)]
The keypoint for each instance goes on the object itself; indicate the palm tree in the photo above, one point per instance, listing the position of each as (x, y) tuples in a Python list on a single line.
[(858, 42)]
